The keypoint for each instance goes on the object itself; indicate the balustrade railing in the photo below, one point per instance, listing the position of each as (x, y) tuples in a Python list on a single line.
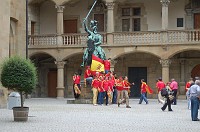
[(123, 38), (79, 39), (42, 40)]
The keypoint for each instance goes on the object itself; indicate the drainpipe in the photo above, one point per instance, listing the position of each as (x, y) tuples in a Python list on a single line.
[(26, 29)]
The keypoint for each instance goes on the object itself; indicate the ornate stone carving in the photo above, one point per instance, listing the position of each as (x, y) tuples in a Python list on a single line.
[(165, 62), (59, 8), (110, 5), (60, 64), (165, 2)]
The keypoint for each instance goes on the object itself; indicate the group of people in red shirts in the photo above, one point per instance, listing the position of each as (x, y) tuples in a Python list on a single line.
[(104, 85)]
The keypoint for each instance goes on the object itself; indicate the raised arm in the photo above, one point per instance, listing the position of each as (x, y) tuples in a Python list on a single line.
[(85, 27)]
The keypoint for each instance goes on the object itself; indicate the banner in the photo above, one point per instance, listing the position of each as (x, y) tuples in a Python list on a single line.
[(97, 64)]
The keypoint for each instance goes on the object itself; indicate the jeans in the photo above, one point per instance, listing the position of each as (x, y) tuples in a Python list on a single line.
[(194, 108), (143, 97), (89, 80), (101, 97), (174, 94), (114, 100), (168, 103)]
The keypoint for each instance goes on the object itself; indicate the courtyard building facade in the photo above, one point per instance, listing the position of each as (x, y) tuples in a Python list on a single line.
[(146, 39), (12, 35)]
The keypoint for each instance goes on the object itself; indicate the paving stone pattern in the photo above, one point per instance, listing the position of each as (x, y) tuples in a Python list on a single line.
[(52, 115)]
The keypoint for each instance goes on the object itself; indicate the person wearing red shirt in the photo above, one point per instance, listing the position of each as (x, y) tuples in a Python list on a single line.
[(106, 87), (107, 65), (160, 85), (143, 92), (88, 76), (126, 87), (101, 91), (119, 87), (76, 85), (95, 86), (110, 91), (174, 87)]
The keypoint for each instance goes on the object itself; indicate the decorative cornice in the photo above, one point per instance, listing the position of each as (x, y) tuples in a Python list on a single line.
[(60, 64), (165, 3), (59, 8), (165, 62), (110, 5)]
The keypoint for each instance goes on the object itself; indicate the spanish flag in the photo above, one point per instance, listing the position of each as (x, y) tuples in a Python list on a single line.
[(149, 90), (97, 64)]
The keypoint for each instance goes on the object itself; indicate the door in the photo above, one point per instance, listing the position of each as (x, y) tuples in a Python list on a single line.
[(100, 19), (197, 26), (70, 26), (135, 74), (52, 84), (197, 21)]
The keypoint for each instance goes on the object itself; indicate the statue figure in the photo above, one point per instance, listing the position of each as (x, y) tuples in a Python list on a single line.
[(94, 41)]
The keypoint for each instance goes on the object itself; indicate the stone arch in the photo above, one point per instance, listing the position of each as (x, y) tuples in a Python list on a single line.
[(41, 52), (178, 50), (39, 1), (138, 51), (71, 55)]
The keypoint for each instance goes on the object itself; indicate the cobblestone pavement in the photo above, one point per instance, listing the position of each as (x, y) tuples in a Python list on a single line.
[(52, 115)]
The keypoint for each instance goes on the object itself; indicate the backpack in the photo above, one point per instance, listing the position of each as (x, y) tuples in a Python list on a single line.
[(164, 92)]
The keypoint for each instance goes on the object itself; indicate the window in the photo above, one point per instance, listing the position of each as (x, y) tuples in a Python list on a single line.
[(125, 24), (179, 22), (131, 19), (136, 11), (136, 24), (125, 11)]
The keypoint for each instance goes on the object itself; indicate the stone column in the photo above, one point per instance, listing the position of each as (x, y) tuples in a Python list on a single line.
[(60, 79), (165, 4), (182, 81), (110, 22), (165, 69), (59, 23)]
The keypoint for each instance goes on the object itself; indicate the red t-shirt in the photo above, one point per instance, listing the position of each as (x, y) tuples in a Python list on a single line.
[(105, 85), (106, 65), (160, 85), (95, 83), (76, 79), (111, 84), (143, 87), (187, 86), (100, 86), (119, 85), (87, 73), (125, 85)]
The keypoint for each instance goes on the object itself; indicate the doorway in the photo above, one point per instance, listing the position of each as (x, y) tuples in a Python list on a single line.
[(52, 84), (135, 74)]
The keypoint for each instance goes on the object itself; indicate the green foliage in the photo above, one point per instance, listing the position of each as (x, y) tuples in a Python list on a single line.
[(19, 74)]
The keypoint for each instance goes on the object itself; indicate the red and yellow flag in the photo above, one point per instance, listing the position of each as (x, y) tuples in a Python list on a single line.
[(97, 64), (149, 90)]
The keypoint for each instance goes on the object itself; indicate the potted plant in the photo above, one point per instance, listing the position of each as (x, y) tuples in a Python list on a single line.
[(20, 75)]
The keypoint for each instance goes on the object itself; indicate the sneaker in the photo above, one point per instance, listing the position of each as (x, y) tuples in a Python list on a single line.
[(95, 104), (128, 106), (118, 104), (162, 109)]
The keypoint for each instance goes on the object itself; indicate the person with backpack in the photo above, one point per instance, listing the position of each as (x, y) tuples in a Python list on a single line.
[(166, 92)]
